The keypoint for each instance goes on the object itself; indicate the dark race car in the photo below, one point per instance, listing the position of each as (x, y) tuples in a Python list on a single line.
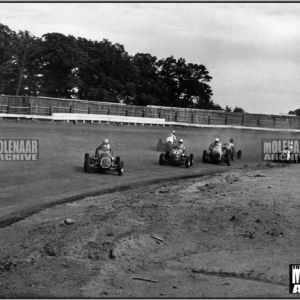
[(233, 154), (217, 155), (176, 158), (103, 161)]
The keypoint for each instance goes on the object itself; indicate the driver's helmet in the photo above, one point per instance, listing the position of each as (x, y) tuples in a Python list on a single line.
[(105, 141), (173, 131), (217, 140), (180, 141), (231, 141)]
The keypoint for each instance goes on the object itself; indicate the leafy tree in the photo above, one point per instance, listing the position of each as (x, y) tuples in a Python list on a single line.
[(238, 109), (18, 53), (228, 109)]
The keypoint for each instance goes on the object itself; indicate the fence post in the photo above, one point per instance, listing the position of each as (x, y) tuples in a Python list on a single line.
[(176, 117), (243, 120), (108, 111), (89, 110), (70, 111), (143, 113), (192, 118), (50, 110), (8, 108), (225, 120), (274, 122), (258, 122), (126, 113), (208, 120), (159, 113), (291, 122), (29, 108)]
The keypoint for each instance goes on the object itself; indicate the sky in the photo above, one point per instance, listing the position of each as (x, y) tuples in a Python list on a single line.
[(251, 50)]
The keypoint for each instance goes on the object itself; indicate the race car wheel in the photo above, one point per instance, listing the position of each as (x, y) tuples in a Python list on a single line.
[(117, 160), (187, 162), (120, 168), (191, 159), (162, 159), (204, 157), (239, 154), (87, 166), (232, 156), (228, 160)]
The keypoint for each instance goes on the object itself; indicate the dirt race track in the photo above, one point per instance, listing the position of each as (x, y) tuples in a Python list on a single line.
[(156, 231)]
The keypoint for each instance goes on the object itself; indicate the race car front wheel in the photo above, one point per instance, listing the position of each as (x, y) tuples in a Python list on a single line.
[(187, 162), (86, 165), (162, 159), (120, 168), (191, 159)]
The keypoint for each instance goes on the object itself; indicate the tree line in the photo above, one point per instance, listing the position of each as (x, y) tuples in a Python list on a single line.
[(62, 66)]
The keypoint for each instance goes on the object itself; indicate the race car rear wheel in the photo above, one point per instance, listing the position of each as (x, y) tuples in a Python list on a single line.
[(86, 165), (239, 154), (120, 168), (191, 159), (162, 159), (228, 160), (204, 157), (117, 160), (187, 162)]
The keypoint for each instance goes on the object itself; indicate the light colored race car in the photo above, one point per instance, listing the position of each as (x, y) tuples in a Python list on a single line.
[(103, 161), (217, 155), (176, 158), (287, 157)]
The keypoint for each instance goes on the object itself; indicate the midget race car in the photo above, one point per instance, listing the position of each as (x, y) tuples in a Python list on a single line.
[(287, 157), (233, 154), (217, 155), (176, 158), (103, 161)]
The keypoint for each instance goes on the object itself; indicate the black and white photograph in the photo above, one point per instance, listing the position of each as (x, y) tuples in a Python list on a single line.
[(149, 150)]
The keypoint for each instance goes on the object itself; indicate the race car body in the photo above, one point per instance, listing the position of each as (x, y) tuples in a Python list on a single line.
[(218, 154), (176, 158), (103, 161)]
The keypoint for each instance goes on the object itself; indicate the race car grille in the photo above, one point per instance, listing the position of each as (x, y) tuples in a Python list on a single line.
[(105, 162)]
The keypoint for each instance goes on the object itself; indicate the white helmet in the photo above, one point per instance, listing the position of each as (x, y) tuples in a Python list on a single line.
[(105, 141), (180, 141), (173, 131), (217, 140)]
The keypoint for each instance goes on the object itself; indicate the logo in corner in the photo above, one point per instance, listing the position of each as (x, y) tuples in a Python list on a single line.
[(17, 150), (294, 279)]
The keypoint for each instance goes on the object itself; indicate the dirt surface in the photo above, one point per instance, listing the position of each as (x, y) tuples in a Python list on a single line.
[(225, 235)]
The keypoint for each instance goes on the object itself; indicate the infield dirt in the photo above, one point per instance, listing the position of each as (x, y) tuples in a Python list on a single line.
[(228, 235)]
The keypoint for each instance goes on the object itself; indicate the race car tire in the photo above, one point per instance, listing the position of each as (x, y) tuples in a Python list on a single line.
[(204, 157), (162, 159), (239, 154), (228, 160), (117, 160), (187, 162), (191, 159), (232, 156), (120, 168), (87, 166)]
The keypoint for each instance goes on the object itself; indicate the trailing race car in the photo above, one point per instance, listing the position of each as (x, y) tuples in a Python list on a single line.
[(233, 154), (103, 161), (287, 157), (176, 158), (217, 155)]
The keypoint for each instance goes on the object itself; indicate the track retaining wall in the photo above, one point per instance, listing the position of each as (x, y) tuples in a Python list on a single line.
[(46, 106)]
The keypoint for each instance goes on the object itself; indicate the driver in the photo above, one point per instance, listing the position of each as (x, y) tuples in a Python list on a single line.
[(180, 146), (217, 143), (104, 146), (231, 144)]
